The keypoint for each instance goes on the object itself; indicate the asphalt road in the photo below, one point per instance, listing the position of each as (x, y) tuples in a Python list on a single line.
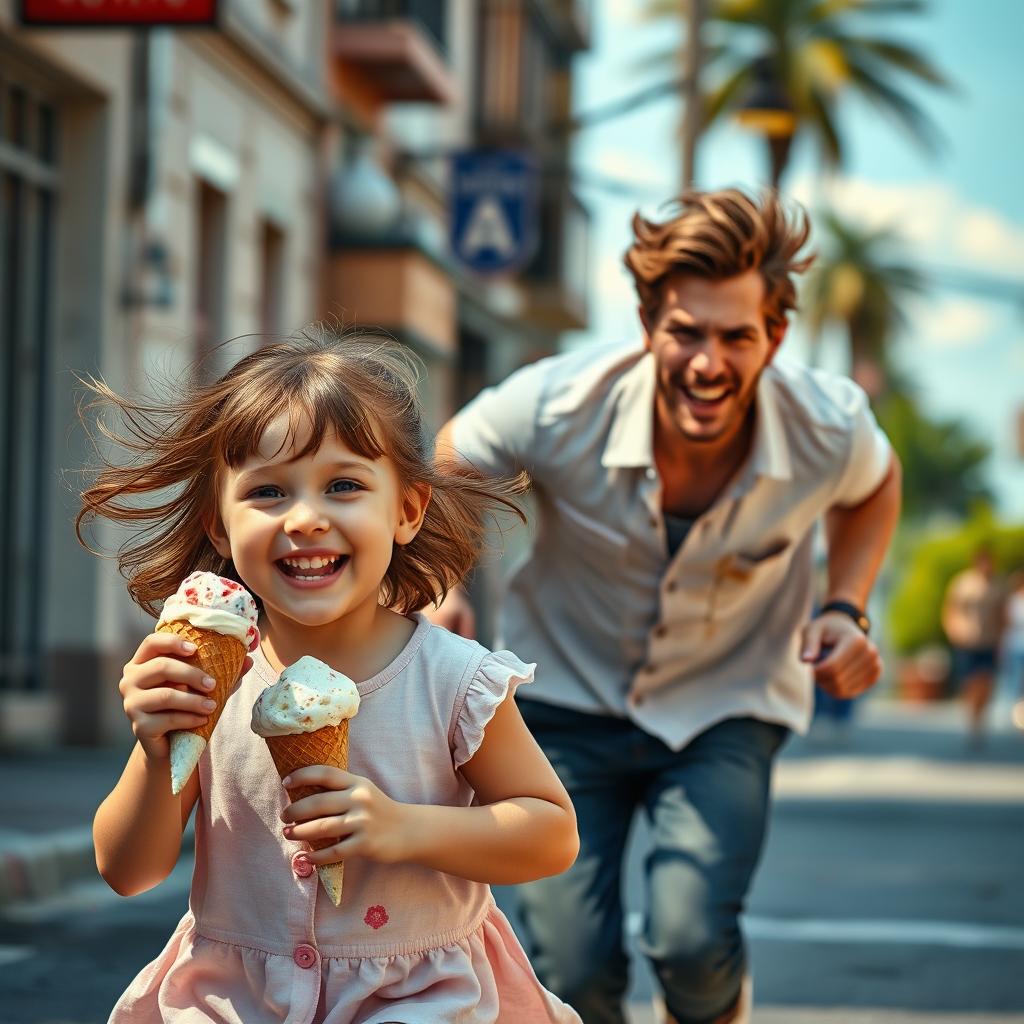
[(891, 892)]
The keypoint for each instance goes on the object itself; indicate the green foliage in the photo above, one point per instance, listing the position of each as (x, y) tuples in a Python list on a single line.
[(860, 281), (943, 462), (916, 604)]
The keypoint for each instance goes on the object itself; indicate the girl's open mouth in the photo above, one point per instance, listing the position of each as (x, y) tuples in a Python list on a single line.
[(317, 570)]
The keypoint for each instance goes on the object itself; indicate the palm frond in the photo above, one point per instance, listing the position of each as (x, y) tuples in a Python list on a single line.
[(721, 98), (660, 63), (894, 54), (743, 12), (827, 10), (825, 127), (657, 10), (893, 102)]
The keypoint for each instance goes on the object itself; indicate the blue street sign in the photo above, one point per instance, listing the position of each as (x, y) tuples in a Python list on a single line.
[(493, 206)]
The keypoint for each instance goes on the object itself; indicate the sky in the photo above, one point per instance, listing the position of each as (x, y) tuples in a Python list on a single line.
[(962, 207)]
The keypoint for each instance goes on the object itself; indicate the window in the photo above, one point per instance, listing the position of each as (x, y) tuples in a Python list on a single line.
[(211, 277), (271, 294), (28, 182)]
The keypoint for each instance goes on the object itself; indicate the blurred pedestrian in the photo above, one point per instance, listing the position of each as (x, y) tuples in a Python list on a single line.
[(667, 598), (304, 473), (972, 612), (1012, 644)]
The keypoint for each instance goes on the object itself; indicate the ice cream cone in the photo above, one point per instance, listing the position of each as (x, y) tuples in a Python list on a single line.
[(221, 658), (304, 718), (329, 746), (219, 616)]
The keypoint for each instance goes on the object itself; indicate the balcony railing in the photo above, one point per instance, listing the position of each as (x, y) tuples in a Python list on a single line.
[(428, 15), (393, 51)]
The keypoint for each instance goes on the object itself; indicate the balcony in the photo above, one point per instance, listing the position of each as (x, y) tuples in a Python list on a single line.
[(556, 279), (394, 49)]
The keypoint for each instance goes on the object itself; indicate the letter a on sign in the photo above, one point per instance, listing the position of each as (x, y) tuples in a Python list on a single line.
[(493, 210), (487, 229)]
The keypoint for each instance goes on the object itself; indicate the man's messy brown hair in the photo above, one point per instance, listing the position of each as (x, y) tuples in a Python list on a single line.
[(718, 235), (162, 480)]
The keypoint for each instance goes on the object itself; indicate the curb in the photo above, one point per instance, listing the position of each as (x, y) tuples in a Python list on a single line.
[(36, 867)]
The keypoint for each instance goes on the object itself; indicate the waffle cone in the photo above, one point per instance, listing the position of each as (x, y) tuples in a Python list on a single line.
[(220, 657), (329, 746)]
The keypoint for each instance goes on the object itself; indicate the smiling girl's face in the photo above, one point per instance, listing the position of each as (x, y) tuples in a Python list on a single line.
[(313, 536)]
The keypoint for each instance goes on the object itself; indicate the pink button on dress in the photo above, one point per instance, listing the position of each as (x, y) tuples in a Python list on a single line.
[(261, 942)]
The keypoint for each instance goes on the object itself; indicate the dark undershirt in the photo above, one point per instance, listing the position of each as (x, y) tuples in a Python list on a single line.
[(676, 529)]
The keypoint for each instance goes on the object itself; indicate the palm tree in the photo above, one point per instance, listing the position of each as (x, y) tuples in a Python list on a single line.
[(802, 55), (861, 283)]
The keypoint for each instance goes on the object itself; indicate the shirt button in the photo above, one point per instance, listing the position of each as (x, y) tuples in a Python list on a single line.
[(650, 669), (653, 521), (651, 473), (671, 585), (660, 631), (304, 956), (302, 865)]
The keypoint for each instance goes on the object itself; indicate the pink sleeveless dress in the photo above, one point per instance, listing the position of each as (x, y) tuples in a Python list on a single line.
[(261, 942)]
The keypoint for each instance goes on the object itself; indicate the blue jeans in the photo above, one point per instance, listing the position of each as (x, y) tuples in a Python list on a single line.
[(707, 806)]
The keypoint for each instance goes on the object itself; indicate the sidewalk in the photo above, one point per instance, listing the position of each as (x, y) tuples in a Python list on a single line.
[(49, 797), (46, 809)]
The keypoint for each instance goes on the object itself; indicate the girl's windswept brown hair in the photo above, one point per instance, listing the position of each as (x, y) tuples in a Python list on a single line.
[(164, 487), (718, 235)]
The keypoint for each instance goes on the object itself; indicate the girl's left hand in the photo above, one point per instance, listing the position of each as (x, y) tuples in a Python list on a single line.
[(364, 821)]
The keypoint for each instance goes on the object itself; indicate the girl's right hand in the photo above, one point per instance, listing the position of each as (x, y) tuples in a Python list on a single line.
[(162, 692)]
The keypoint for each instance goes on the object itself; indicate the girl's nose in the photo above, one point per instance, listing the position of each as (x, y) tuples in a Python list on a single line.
[(304, 517)]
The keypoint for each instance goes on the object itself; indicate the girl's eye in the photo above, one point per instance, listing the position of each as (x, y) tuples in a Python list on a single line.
[(344, 487), (266, 491)]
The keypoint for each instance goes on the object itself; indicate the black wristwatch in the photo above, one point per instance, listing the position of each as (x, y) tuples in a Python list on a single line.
[(863, 622)]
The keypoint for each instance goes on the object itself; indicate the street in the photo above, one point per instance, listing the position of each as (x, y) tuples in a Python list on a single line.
[(890, 892)]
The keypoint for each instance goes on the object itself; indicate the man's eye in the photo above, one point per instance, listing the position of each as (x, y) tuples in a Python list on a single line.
[(266, 491), (344, 487)]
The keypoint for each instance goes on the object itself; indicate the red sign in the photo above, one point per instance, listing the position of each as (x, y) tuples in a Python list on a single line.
[(111, 13)]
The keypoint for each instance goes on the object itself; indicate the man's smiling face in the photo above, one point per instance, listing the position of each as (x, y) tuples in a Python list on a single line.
[(710, 345)]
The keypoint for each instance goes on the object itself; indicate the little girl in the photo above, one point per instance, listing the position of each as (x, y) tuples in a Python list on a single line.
[(303, 473)]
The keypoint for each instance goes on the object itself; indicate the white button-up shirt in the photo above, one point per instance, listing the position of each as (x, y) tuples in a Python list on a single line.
[(617, 626)]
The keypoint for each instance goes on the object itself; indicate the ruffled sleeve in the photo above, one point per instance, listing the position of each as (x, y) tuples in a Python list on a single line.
[(498, 675)]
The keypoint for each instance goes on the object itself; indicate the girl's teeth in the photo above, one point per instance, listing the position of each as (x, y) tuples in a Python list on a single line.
[(316, 562)]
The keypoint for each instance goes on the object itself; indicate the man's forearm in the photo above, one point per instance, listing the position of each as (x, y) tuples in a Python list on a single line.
[(858, 538)]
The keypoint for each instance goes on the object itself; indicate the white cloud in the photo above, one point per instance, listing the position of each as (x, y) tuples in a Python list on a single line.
[(991, 241), (622, 10), (938, 225), (950, 323), (613, 291), (630, 168)]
